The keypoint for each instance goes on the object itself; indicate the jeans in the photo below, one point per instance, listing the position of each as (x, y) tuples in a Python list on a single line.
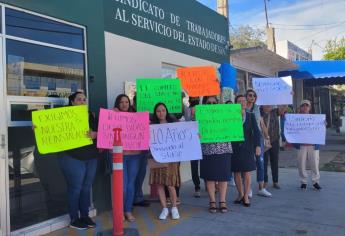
[(139, 195), (79, 177), (273, 156), (194, 165), (260, 164), (131, 165)]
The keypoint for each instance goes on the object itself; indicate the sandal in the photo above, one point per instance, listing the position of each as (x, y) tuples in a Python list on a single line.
[(222, 207), (129, 217), (212, 208)]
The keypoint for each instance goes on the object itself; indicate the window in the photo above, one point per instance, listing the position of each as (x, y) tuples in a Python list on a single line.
[(28, 26), (47, 72)]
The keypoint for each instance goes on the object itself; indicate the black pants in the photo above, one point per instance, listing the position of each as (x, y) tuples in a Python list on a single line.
[(195, 174), (273, 156)]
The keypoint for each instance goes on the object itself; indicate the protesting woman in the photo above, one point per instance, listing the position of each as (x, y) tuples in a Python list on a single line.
[(216, 167), (251, 97), (131, 163), (168, 175), (243, 161), (79, 169)]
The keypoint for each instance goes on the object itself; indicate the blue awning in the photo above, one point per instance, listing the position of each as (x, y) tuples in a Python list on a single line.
[(316, 73)]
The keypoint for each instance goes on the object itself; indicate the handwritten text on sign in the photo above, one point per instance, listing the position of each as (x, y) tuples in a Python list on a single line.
[(305, 128), (61, 129), (220, 123), (199, 81), (152, 91), (273, 91), (135, 129), (175, 142)]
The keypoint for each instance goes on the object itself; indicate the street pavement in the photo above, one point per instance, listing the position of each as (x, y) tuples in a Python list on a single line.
[(290, 211)]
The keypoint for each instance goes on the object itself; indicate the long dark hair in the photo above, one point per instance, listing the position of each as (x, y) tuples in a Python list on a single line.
[(118, 100), (72, 97), (205, 98), (155, 119)]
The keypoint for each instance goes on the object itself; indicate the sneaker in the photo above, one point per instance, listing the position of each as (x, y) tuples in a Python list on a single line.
[(264, 193), (304, 186), (250, 194), (164, 214), (197, 194), (174, 213), (317, 186), (78, 224), (88, 221)]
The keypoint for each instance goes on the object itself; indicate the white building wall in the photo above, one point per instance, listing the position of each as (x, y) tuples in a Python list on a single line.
[(127, 60), (282, 49)]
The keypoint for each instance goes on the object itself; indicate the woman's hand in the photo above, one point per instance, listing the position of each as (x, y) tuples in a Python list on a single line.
[(92, 134), (258, 151)]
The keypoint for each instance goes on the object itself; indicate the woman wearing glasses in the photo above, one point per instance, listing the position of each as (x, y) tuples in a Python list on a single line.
[(251, 97), (216, 167), (243, 161)]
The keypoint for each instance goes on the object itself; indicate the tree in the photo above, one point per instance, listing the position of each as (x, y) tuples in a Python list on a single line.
[(247, 36), (335, 49)]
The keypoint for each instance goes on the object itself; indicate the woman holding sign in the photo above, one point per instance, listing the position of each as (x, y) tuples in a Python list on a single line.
[(216, 167), (79, 168), (131, 163), (243, 161), (165, 175)]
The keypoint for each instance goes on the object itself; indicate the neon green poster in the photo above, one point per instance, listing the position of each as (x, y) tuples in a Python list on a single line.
[(220, 123), (152, 91), (61, 129)]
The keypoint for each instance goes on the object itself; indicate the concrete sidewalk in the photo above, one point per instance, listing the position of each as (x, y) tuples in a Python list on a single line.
[(289, 212)]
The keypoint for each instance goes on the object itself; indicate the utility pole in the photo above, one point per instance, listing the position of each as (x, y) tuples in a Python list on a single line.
[(270, 33), (266, 13)]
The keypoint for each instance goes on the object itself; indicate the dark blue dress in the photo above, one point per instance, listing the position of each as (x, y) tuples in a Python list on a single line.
[(243, 157)]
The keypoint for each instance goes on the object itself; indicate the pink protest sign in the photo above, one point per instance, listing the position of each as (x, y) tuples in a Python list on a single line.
[(135, 133)]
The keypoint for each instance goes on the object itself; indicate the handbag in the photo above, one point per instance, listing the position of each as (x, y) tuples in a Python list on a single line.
[(267, 141), (153, 164)]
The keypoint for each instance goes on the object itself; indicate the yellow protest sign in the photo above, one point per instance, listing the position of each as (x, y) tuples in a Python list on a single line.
[(61, 129)]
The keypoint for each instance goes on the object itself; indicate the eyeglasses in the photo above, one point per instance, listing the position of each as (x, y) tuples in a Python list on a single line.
[(211, 103), (252, 95)]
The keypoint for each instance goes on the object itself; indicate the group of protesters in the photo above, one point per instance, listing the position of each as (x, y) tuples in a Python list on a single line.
[(222, 162)]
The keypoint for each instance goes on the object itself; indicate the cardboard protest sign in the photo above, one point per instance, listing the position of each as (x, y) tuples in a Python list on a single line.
[(273, 91), (152, 91), (175, 142), (220, 123), (61, 129), (305, 128), (199, 81), (135, 129)]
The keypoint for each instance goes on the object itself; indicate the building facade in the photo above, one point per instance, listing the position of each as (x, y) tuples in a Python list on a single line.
[(51, 49), (292, 52)]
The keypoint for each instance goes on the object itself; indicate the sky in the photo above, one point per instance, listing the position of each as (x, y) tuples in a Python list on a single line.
[(299, 21)]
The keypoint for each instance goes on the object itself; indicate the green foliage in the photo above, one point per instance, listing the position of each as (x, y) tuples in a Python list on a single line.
[(335, 49), (247, 36)]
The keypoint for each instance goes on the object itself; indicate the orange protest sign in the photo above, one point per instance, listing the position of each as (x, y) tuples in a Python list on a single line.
[(199, 81)]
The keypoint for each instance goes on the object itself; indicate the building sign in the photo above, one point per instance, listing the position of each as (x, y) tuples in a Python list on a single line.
[(181, 25)]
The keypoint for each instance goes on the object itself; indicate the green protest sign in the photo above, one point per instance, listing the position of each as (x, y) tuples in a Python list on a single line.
[(61, 129), (152, 91), (220, 123)]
